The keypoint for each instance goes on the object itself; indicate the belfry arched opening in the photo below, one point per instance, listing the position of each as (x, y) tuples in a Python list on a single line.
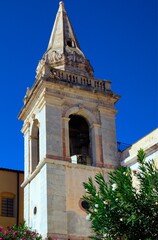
[(79, 136)]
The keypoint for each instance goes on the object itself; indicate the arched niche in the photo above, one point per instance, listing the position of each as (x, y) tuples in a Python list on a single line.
[(35, 145), (95, 149), (79, 140)]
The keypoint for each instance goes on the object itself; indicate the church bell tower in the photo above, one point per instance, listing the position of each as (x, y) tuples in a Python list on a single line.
[(69, 135)]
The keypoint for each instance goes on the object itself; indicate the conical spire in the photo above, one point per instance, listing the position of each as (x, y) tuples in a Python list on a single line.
[(63, 50)]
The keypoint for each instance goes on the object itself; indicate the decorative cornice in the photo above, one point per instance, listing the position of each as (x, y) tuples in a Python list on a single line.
[(63, 163)]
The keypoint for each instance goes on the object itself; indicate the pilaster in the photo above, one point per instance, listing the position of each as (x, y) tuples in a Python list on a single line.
[(65, 139), (97, 145), (108, 129), (26, 131)]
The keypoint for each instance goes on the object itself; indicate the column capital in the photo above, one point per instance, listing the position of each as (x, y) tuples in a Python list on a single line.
[(25, 128), (66, 119), (95, 125)]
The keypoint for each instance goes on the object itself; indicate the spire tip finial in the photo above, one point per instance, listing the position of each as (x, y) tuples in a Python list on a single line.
[(61, 6), (61, 3)]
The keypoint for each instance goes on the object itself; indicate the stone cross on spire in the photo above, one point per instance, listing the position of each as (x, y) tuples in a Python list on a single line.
[(63, 50)]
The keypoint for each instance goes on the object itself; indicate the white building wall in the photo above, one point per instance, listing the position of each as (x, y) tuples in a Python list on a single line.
[(148, 143), (26, 204), (38, 200)]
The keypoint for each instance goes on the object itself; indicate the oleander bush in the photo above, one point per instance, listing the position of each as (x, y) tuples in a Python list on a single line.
[(21, 232), (127, 206)]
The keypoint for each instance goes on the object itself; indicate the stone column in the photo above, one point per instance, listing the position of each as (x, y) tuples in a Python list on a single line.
[(96, 145), (65, 139)]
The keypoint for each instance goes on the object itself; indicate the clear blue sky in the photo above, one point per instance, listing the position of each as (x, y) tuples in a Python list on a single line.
[(117, 36)]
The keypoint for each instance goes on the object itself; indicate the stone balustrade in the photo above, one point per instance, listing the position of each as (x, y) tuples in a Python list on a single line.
[(75, 79)]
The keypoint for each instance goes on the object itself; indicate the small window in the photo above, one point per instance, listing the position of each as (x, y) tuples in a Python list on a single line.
[(35, 210), (70, 43), (84, 205), (7, 205)]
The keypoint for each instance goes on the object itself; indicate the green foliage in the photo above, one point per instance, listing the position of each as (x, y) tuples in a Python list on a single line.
[(123, 208), (21, 232)]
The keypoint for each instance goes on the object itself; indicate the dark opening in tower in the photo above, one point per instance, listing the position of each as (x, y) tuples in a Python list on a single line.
[(35, 145), (79, 140)]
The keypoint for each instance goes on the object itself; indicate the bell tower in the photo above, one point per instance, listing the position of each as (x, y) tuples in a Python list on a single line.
[(69, 135)]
